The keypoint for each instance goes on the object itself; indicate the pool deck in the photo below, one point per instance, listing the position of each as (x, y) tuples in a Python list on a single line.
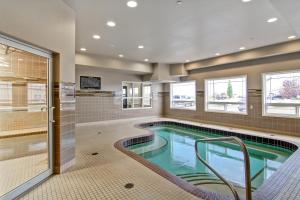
[(103, 176)]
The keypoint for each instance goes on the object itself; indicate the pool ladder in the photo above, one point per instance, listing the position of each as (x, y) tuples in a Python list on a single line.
[(246, 164)]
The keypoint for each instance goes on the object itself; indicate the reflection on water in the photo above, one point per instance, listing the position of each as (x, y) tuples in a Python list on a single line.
[(179, 157)]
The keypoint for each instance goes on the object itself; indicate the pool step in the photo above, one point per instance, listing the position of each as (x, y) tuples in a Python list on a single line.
[(210, 183)]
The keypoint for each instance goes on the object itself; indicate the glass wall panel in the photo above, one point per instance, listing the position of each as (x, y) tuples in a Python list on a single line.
[(226, 95), (281, 94), (136, 95), (24, 127), (183, 95)]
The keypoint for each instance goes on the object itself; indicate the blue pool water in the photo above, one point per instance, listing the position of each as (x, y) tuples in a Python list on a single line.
[(173, 150)]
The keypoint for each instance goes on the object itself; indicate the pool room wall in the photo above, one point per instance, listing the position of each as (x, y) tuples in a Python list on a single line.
[(106, 104), (254, 119)]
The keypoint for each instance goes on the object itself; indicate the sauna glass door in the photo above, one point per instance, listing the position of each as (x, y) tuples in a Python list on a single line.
[(25, 111)]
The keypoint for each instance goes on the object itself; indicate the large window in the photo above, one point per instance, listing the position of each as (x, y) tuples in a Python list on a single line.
[(226, 95), (281, 94), (136, 95), (183, 95)]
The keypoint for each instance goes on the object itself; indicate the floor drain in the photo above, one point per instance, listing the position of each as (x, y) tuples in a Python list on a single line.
[(129, 185), (99, 132), (93, 154)]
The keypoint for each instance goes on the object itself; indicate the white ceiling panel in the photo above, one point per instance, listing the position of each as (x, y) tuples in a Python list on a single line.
[(172, 33)]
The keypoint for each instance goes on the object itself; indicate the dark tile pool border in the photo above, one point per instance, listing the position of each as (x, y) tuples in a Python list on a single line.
[(258, 139), (269, 190)]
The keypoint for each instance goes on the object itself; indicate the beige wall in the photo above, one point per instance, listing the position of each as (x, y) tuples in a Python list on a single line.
[(253, 70), (44, 23), (254, 119), (107, 62), (107, 105), (110, 80)]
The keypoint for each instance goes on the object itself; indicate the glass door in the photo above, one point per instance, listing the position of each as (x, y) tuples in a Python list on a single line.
[(25, 114)]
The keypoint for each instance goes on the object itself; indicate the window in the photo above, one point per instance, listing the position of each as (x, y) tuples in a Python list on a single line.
[(281, 94), (226, 95), (5, 93), (183, 95), (136, 95), (36, 93)]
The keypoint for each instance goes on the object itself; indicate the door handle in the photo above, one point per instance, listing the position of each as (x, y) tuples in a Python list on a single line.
[(52, 114)]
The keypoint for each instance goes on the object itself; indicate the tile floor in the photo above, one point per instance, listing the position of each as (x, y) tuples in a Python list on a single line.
[(103, 176), (21, 159)]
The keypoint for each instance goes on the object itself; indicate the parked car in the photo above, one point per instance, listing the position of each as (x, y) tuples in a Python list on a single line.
[(242, 107)]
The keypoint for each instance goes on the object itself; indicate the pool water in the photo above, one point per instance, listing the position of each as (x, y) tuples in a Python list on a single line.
[(173, 150)]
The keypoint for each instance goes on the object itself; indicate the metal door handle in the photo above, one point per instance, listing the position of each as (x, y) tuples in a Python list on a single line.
[(52, 114)]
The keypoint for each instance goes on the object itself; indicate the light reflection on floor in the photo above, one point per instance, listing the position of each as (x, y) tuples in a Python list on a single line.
[(21, 158)]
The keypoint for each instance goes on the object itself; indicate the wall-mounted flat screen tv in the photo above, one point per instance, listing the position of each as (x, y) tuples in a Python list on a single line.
[(89, 82)]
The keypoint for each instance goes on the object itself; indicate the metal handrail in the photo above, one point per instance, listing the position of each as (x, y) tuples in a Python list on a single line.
[(246, 163)]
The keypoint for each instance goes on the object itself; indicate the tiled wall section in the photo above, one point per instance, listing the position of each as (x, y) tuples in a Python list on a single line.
[(254, 120), (64, 137), (10, 121), (108, 106)]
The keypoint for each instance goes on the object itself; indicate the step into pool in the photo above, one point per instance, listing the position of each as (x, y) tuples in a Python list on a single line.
[(173, 150)]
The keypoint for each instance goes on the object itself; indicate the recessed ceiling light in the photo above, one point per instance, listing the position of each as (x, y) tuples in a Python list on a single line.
[(146, 60), (217, 54), (83, 49), (292, 37), (111, 23), (187, 60), (242, 48), (96, 37), (140, 46), (273, 19), (179, 2), (246, 1), (132, 4), (121, 55)]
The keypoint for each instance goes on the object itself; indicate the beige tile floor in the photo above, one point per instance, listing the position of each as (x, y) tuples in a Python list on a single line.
[(14, 172), (103, 176), (21, 159)]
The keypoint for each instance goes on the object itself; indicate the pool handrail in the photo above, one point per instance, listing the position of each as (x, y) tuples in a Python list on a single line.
[(246, 164)]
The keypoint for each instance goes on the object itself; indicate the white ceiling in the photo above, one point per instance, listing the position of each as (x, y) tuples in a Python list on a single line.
[(172, 33)]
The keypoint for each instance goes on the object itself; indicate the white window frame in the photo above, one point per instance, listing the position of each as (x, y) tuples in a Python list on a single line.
[(264, 113), (142, 97), (171, 95), (222, 78)]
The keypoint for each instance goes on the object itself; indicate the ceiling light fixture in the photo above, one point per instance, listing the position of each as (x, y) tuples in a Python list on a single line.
[(140, 46), (111, 23), (121, 55), (271, 20), (242, 48), (132, 4), (179, 2), (83, 49), (246, 1), (292, 37), (217, 54), (187, 60), (146, 60), (96, 37)]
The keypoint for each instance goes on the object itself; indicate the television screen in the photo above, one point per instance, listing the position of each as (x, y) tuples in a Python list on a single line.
[(88, 82)]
